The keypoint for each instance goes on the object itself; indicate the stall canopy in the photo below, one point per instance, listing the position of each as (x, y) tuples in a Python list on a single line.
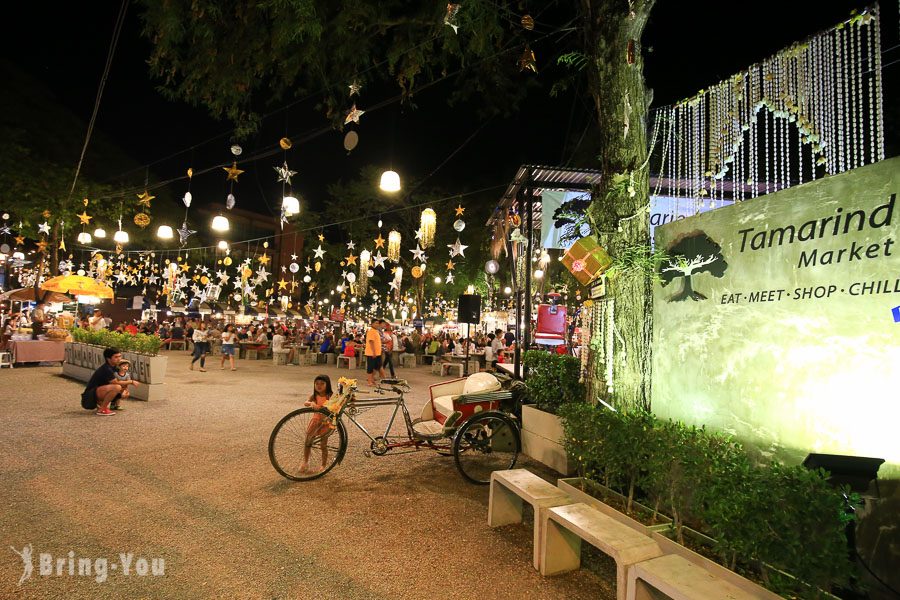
[(523, 197)]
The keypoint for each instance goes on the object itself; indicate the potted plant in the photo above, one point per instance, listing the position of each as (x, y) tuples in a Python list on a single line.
[(85, 353), (553, 380)]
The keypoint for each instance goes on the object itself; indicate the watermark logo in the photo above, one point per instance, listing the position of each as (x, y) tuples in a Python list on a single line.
[(78, 566)]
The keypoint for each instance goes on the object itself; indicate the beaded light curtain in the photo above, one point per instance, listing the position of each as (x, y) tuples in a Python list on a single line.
[(813, 109)]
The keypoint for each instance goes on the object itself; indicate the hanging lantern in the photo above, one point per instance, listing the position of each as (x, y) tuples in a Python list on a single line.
[(220, 223), (99, 233), (427, 225), (223, 245), (393, 249), (164, 232), (290, 205), (121, 237), (491, 267), (390, 181), (84, 238)]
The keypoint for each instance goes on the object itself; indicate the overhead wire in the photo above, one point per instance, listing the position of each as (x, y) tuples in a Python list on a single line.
[(117, 30)]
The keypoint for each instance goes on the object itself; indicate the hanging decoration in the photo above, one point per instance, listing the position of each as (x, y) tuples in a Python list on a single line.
[(363, 279), (353, 116), (527, 22), (351, 139), (813, 109), (355, 87), (528, 62), (393, 248), (142, 219), (457, 249), (285, 143), (236, 150), (427, 226), (450, 17)]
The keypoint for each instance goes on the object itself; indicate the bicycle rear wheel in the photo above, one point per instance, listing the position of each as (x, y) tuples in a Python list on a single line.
[(306, 444), (485, 443)]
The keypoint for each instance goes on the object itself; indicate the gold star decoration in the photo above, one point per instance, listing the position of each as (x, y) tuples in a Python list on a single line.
[(264, 259), (85, 218), (282, 284), (351, 260), (184, 267), (20, 239), (379, 241), (144, 198), (233, 172), (62, 244), (450, 265), (46, 214), (460, 210), (353, 115), (321, 237), (42, 246)]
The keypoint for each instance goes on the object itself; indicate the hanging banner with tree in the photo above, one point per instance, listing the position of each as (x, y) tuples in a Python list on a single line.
[(774, 318)]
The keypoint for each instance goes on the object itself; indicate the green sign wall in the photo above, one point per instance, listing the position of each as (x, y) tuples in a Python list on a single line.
[(778, 319)]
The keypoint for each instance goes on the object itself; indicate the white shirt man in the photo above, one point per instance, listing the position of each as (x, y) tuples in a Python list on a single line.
[(277, 341)]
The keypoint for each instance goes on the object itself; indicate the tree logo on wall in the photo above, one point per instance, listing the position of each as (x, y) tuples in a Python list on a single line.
[(692, 253)]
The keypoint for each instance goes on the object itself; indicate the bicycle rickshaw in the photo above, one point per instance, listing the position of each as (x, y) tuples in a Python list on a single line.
[(469, 419)]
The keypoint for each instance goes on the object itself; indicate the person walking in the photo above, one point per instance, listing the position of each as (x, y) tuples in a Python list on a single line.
[(387, 346), (373, 351), (229, 338), (200, 346)]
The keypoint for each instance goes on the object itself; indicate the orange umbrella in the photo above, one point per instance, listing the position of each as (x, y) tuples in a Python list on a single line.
[(28, 295), (78, 285)]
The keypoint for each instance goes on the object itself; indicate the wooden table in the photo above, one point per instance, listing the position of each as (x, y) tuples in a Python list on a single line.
[(37, 351)]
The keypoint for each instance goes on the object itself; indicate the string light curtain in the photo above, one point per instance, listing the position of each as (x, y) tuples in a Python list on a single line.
[(813, 109)]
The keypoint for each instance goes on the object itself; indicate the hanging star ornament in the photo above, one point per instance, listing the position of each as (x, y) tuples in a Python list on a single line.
[(457, 249), (379, 241), (355, 86), (418, 253), (144, 198), (264, 259), (20, 239), (460, 210), (449, 278), (42, 246), (351, 259), (284, 173), (378, 259), (353, 115), (184, 233), (450, 265), (4, 230), (84, 218), (233, 172), (319, 252), (44, 228)]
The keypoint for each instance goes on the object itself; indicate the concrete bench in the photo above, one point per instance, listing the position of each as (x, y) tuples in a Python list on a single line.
[(408, 360), (279, 357), (565, 526), (447, 367), (509, 489), (679, 579), (345, 360)]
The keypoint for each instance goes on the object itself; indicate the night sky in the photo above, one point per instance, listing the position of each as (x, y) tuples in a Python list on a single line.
[(689, 45)]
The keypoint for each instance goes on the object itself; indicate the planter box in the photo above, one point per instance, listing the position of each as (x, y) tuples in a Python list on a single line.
[(573, 487), (542, 439), (83, 359)]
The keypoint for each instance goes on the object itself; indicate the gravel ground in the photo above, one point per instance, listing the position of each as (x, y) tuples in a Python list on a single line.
[(188, 480)]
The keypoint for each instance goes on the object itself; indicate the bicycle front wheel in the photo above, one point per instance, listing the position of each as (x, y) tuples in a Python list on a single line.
[(485, 443), (307, 443)]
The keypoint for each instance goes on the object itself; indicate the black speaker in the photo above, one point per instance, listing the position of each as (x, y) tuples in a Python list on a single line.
[(469, 308)]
